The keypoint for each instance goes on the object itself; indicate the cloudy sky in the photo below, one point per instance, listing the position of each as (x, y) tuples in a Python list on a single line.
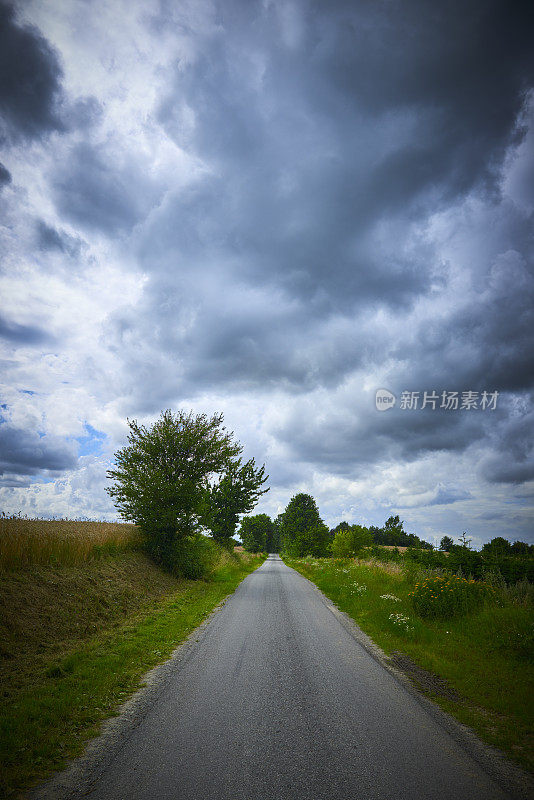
[(273, 208)]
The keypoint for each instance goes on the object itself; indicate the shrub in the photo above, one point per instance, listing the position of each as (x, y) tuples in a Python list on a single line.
[(342, 544), (350, 541), (446, 596), (194, 557)]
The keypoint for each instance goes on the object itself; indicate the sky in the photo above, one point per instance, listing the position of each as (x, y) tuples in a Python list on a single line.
[(273, 209)]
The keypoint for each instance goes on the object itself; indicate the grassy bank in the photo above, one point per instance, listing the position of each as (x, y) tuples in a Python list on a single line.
[(29, 542), (75, 640), (477, 665)]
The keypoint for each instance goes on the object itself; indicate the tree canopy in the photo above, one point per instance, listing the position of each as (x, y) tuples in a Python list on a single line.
[(236, 493), (302, 529), (257, 533), (179, 475), (349, 541)]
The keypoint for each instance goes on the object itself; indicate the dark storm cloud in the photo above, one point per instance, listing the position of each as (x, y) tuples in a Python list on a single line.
[(26, 453), (330, 138), (30, 76), (22, 334), (513, 458), (349, 441), (5, 176), (378, 111)]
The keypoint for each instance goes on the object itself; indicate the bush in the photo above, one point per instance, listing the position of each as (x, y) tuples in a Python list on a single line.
[(351, 541), (447, 596), (194, 557), (342, 544)]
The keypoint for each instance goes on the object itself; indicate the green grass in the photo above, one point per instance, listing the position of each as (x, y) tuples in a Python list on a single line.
[(119, 618), (485, 657)]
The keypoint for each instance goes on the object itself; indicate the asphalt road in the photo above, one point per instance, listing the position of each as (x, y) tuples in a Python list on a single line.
[(278, 700)]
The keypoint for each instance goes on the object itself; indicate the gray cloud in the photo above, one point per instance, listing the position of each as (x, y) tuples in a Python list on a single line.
[(447, 495), (48, 238), (95, 192), (30, 80), (84, 113), (345, 210), (329, 149), (27, 453), (5, 176), (22, 334)]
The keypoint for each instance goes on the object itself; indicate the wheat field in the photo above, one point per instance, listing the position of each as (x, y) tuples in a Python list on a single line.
[(25, 542)]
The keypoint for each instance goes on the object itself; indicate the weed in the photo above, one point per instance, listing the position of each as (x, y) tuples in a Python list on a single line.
[(449, 595)]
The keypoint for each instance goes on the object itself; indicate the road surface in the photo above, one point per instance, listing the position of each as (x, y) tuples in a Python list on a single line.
[(278, 700)]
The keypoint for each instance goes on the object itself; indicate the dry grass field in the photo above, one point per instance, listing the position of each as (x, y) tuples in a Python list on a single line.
[(31, 542)]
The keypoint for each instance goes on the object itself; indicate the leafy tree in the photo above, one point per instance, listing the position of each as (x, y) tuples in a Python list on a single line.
[(272, 539), (303, 530), (446, 543), (236, 493), (277, 534), (521, 548), (498, 547), (393, 534), (360, 538), (342, 544), (341, 526), (165, 474), (350, 541), (257, 533)]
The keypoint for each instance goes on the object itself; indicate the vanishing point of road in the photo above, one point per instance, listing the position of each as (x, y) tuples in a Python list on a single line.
[(276, 699)]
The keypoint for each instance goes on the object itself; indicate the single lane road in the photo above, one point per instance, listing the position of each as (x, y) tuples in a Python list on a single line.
[(278, 700)]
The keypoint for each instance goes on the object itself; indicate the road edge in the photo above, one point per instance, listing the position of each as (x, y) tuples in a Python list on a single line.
[(81, 773), (510, 777)]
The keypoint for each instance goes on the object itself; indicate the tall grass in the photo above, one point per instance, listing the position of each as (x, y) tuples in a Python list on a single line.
[(27, 542)]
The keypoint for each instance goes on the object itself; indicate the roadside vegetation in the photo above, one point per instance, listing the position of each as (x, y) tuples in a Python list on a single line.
[(458, 622), (469, 645), (86, 608), (76, 639), (180, 477), (26, 542)]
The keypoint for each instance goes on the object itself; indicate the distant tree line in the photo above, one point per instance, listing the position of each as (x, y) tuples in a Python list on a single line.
[(300, 531)]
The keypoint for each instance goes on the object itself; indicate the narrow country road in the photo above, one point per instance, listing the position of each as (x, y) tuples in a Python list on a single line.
[(278, 700)]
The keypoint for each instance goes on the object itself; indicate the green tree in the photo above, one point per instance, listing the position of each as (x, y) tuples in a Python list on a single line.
[(446, 543), (272, 540), (163, 476), (498, 547), (349, 542), (341, 526), (236, 493), (257, 533), (303, 530)]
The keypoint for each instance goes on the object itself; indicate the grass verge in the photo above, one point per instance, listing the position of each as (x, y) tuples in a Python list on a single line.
[(29, 542), (477, 667), (76, 642)]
